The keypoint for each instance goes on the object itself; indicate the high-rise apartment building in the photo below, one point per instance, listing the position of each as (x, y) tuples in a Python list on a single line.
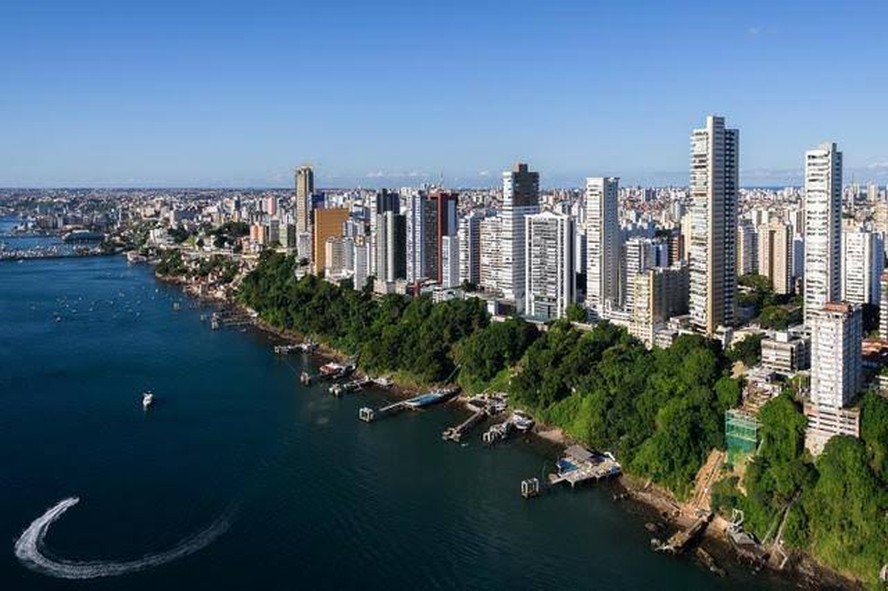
[(836, 337), (490, 252), (823, 227), (469, 237), (521, 197), (715, 155), (422, 230), (327, 224), (836, 373), (638, 257), (863, 260), (551, 274), (304, 188), (775, 255), (446, 226), (390, 247), (603, 287), (883, 305), (747, 249)]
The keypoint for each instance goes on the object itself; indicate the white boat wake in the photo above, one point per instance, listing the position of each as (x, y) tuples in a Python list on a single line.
[(30, 549)]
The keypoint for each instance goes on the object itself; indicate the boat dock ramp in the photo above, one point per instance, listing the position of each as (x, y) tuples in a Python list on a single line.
[(456, 433), (677, 543)]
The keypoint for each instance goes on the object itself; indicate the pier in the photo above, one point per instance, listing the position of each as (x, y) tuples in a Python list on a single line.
[(368, 415), (456, 433), (580, 465)]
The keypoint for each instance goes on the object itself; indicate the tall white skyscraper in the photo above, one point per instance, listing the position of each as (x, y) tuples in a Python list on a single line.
[(863, 260), (715, 156), (603, 290), (521, 197), (449, 261), (421, 235), (551, 273), (469, 236), (747, 249), (490, 251), (823, 227)]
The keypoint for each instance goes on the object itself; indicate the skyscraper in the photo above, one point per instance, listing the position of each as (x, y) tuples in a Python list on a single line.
[(747, 248), (521, 197), (304, 189), (469, 236), (823, 227), (603, 290), (550, 276), (715, 155), (775, 255), (863, 260), (421, 234), (391, 240), (327, 224), (490, 252), (446, 226)]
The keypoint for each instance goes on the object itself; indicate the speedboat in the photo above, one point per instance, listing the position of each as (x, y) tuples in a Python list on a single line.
[(147, 399)]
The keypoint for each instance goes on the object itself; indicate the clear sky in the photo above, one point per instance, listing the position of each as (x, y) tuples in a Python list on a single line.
[(129, 93)]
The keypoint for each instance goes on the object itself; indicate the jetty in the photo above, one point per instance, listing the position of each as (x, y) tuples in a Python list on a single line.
[(456, 433), (677, 543), (368, 415), (580, 465)]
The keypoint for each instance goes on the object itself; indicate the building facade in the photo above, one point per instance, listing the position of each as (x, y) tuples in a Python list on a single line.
[(715, 154), (521, 197), (551, 273), (823, 227), (603, 288)]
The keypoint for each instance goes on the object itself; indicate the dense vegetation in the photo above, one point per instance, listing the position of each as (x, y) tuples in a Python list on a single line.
[(390, 334), (661, 411), (771, 310), (836, 507)]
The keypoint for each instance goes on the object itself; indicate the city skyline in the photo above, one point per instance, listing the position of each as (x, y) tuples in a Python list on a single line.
[(151, 95)]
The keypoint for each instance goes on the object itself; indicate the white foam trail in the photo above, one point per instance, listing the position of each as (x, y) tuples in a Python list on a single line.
[(30, 549)]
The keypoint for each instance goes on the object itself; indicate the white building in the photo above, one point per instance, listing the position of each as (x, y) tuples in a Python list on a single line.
[(521, 197), (551, 273), (490, 251), (863, 260), (361, 260), (836, 373), (747, 249), (823, 227), (603, 290), (420, 216), (449, 261), (715, 154), (836, 337), (638, 257), (469, 236)]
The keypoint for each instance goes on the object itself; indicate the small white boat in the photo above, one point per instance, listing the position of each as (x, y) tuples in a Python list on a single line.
[(147, 399)]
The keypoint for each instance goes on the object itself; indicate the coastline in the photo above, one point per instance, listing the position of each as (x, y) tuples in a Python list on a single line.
[(648, 499)]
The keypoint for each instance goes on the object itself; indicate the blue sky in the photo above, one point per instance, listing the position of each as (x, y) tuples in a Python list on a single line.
[(126, 93)]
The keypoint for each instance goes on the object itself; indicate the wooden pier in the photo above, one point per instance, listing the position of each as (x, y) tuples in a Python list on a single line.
[(368, 415), (456, 433)]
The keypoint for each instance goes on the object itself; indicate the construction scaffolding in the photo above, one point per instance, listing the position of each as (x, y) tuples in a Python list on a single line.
[(741, 433)]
